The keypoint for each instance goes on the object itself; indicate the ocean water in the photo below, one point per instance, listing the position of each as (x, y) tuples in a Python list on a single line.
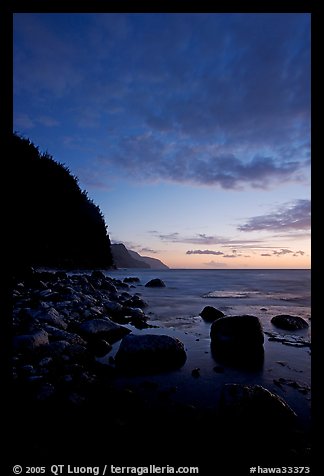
[(174, 310), (231, 291)]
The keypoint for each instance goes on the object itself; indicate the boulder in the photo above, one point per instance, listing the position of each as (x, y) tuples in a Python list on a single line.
[(254, 405), (210, 314), (150, 352), (102, 328), (30, 342), (135, 301), (52, 317), (113, 308), (289, 323), (58, 334), (155, 283), (252, 419), (238, 340)]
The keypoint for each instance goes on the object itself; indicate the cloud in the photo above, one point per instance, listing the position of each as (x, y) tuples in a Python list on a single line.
[(204, 252), (147, 250), (234, 255), (215, 264), (45, 63), (200, 165), (23, 121), (48, 121), (283, 251), (265, 254), (170, 237), (207, 99), (291, 216), (203, 239)]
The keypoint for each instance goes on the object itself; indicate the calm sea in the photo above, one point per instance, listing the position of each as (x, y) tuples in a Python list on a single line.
[(175, 310), (187, 291)]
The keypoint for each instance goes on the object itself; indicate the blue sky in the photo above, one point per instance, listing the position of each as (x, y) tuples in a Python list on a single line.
[(190, 131)]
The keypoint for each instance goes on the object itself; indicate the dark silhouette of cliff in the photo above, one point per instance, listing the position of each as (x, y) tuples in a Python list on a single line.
[(124, 258), (54, 223)]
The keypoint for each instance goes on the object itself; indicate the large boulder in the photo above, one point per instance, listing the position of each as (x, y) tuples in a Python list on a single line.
[(155, 283), (254, 402), (254, 419), (210, 314), (289, 323), (238, 340), (150, 352), (102, 328)]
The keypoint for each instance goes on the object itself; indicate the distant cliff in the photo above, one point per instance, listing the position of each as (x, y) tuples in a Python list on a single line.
[(54, 222), (124, 258)]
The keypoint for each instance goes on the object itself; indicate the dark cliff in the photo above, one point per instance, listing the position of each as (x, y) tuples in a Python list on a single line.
[(124, 258), (54, 222)]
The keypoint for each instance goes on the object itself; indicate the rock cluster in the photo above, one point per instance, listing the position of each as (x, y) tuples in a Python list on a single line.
[(62, 323)]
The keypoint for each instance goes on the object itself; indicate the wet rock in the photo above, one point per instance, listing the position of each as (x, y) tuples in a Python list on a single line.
[(131, 280), (59, 334), (30, 342), (135, 301), (113, 308), (63, 351), (155, 283), (256, 407), (56, 349), (140, 322), (292, 341), (196, 372), (150, 352), (45, 362), (103, 328), (300, 387), (238, 340), (52, 317), (291, 323), (210, 314)]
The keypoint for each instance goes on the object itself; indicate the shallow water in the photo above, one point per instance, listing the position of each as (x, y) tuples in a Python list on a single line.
[(264, 293)]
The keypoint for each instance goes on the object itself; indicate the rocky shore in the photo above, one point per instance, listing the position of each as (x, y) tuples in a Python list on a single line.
[(66, 400)]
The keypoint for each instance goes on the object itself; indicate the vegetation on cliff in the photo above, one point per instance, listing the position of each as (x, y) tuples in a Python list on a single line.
[(55, 223)]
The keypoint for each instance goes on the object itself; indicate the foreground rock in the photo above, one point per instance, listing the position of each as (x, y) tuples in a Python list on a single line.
[(289, 323), (103, 328), (155, 283), (150, 352), (210, 314), (257, 419), (238, 339), (254, 402), (61, 323)]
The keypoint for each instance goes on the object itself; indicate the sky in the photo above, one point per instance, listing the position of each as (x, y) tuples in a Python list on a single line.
[(190, 131)]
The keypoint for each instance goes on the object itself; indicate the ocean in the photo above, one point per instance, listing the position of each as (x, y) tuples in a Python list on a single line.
[(174, 310)]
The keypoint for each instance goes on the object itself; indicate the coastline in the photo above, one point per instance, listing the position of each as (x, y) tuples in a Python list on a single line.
[(124, 405)]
